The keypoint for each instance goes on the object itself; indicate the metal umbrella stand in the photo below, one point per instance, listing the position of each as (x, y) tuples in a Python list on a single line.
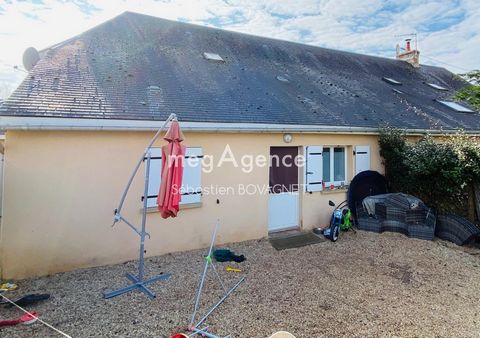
[(139, 282), (195, 327)]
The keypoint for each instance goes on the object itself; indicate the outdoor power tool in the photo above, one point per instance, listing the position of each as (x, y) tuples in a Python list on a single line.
[(340, 221)]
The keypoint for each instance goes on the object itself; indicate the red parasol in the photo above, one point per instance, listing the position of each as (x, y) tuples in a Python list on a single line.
[(173, 155)]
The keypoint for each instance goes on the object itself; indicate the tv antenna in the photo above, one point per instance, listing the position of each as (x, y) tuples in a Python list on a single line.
[(16, 67), (410, 35)]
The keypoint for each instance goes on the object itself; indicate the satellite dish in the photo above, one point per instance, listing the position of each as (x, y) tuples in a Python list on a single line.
[(30, 58)]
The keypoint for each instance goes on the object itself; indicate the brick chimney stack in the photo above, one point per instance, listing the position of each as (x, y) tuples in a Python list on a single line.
[(410, 55)]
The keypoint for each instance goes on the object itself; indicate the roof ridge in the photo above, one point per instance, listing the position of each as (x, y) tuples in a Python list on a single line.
[(131, 13), (254, 35), (64, 42)]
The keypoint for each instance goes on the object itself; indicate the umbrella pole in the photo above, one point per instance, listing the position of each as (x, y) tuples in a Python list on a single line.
[(138, 282)]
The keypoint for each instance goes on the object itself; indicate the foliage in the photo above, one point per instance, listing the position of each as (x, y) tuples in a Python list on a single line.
[(439, 170), (435, 172), (468, 151), (473, 77), (470, 93), (393, 146)]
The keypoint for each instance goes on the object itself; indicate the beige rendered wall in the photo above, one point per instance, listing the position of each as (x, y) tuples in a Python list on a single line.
[(61, 188), (2, 147)]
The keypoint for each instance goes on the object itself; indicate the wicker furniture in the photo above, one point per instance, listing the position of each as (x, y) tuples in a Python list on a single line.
[(456, 229), (395, 214)]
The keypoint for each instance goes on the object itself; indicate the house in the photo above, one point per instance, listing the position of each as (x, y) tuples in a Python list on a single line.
[(77, 124)]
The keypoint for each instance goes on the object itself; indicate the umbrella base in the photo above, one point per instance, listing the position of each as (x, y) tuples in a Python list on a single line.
[(137, 285)]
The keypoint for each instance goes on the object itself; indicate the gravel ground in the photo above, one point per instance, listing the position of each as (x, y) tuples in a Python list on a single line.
[(366, 284)]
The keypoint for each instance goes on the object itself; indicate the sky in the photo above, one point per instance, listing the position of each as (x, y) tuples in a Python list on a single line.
[(448, 31)]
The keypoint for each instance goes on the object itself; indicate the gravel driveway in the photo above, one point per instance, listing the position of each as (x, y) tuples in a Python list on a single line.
[(366, 284)]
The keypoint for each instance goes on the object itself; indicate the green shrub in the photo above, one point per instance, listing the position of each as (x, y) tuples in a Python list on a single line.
[(393, 145), (470, 93), (440, 173)]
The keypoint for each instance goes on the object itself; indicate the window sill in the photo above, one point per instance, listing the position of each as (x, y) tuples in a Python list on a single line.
[(182, 207), (336, 190)]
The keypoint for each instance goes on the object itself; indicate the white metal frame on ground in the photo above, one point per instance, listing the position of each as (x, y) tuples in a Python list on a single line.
[(195, 327)]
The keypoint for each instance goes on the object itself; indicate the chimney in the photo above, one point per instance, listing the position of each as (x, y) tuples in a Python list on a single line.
[(412, 56)]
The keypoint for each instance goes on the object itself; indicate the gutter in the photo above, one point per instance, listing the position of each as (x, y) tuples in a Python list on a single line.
[(50, 123)]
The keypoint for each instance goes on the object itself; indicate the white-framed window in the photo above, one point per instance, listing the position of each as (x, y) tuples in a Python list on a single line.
[(192, 176), (325, 165), (334, 165)]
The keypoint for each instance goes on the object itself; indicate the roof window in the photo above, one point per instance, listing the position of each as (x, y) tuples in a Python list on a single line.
[(433, 85), (456, 106), (391, 81), (213, 57)]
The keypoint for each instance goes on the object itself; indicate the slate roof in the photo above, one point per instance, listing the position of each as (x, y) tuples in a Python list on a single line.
[(144, 68)]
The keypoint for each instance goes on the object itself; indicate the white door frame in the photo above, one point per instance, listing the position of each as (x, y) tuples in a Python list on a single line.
[(284, 208)]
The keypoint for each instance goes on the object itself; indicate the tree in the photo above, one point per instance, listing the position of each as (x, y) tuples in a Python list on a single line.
[(470, 93)]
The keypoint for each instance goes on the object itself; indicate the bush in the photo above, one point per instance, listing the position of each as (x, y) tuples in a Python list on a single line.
[(440, 173), (393, 146), (471, 92)]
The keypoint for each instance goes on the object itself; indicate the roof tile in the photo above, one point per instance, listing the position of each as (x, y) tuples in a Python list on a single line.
[(140, 67)]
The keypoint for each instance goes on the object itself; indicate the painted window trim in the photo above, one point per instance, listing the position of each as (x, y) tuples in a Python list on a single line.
[(332, 168)]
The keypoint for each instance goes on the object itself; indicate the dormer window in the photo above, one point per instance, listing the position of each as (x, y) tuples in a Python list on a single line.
[(436, 86), (213, 57), (456, 106), (391, 81)]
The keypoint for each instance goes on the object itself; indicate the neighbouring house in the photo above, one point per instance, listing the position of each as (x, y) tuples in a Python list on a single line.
[(78, 123)]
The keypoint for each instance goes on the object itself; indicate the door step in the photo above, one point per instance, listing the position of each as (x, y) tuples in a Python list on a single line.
[(284, 233)]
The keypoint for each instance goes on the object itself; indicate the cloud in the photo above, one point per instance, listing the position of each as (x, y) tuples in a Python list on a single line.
[(449, 31)]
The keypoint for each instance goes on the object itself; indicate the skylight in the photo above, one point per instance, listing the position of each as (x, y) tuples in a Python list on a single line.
[(213, 57), (457, 107), (391, 81), (433, 85)]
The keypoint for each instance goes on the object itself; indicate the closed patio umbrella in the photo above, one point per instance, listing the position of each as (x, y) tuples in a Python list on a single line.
[(173, 155), (167, 204)]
